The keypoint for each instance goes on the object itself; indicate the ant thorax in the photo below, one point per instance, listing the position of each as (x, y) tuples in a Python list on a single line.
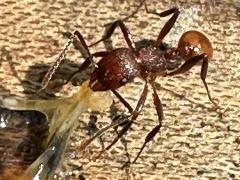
[(151, 61), (157, 60)]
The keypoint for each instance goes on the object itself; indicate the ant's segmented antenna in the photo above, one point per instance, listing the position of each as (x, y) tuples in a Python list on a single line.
[(54, 67)]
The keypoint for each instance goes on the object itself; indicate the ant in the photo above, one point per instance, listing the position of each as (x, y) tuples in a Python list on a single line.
[(121, 65)]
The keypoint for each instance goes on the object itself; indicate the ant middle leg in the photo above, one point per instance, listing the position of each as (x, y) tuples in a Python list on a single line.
[(125, 31)]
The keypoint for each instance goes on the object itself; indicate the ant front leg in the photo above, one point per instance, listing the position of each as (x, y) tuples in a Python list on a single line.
[(81, 45), (125, 31), (156, 129), (134, 115), (189, 64), (83, 48), (169, 24)]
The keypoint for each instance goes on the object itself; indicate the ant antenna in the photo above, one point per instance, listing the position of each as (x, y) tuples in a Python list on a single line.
[(54, 67)]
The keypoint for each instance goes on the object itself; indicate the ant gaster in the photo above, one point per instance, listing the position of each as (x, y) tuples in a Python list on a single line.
[(120, 66)]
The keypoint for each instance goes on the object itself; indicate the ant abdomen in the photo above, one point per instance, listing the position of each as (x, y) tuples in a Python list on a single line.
[(193, 43), (114, 70)]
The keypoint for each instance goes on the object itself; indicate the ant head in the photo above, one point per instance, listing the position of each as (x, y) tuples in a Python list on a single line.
[(193, 43)]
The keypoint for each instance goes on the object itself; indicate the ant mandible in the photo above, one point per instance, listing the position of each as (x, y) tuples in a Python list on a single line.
[(120, 66)]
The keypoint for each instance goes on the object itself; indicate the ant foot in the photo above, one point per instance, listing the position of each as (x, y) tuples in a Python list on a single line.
[(218, 108), (126, 165)]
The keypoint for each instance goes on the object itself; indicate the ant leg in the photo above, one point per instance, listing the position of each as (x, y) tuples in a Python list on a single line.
[(101, 54), (100, 132), (189, 64), (81, 45), (86, 64), (134, 115), (123, 101), (169, 24), (156, 129), (203, 76), (125, 31), (83, 48)]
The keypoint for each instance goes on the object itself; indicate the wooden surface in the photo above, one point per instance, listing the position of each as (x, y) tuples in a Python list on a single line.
[(194, 143)]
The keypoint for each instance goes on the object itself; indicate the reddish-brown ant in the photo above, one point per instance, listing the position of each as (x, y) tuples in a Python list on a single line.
[(120, 66)]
